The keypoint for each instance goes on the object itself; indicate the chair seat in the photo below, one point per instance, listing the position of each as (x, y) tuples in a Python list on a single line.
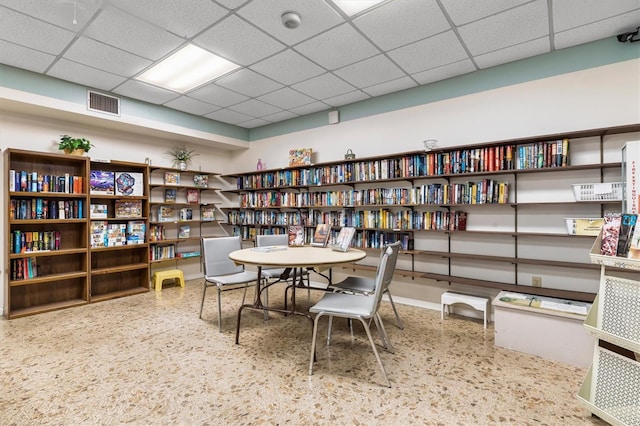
[(344, 304), (231, 279), (357, 284), (273, 272)]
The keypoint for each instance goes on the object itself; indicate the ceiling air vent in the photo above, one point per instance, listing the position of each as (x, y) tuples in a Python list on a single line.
[(103, 103)]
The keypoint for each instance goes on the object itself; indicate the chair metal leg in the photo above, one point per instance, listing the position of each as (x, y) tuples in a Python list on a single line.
[(329, 328), (375, 351), (399, 323), (386, 342), (219, 310), (204, 291), (313, 342)]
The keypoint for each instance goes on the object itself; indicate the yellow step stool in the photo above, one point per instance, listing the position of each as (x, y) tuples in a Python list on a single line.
[(175, 274)]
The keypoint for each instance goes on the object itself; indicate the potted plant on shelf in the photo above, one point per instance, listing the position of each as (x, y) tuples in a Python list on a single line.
[(181, 156), (74, 146)]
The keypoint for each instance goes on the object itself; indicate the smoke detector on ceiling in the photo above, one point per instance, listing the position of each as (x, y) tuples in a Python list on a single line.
[(290, 20)]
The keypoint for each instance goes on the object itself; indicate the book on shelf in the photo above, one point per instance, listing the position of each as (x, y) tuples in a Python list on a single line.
[(128, 208), (101, 182), (98, 211), (193, 195), (627, 228), (321, 235), (296, 235), (343, 240), (634, 244), (136, 231), (186, 213), (610, 233), (98, 233), (170, 195), (184, 231), (171, 178), (188, 254), (166, 214), (129, 184), (201, 181), (116, 234), (207, 213)]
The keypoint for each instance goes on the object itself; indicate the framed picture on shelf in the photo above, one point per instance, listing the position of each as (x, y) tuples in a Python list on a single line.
[(300, 157), (201, 181), (170, 195), (129, 184), (193, 195), (101, 182), (321, 235), (171, 178), (296, 235)]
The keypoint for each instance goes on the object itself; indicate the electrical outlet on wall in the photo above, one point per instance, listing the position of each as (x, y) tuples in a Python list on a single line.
[(536, 281)]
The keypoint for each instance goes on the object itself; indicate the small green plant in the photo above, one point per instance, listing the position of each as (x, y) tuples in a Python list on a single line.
[(69, 144), (181, 154)]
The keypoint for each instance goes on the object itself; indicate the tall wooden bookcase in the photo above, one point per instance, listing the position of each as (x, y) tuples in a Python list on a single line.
[(511, 241), (47, 258), (121, 266)]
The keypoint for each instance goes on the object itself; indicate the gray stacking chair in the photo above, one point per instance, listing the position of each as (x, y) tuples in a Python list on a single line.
[(222, 272), (358, 307), (364, 285)]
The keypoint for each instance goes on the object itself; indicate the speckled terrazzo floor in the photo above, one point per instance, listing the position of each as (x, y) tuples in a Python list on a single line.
[(149, 360)]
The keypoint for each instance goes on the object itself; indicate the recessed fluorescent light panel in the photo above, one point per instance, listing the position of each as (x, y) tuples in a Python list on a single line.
[(186, 69), (353, 7)]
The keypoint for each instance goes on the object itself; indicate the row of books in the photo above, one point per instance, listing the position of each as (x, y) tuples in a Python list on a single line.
[(174, 178), (621, 235), (481, 192), (24, 269), (34, 181), (125, 183), (106, 234), (267, 217), (158, 232), (30, 241), (162, 252), (40, 208)]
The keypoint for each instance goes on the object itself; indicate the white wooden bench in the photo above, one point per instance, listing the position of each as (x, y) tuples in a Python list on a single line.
[(477, 302)]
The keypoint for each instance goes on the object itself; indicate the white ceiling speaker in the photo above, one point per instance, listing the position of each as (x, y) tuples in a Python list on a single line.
[(290, 20)]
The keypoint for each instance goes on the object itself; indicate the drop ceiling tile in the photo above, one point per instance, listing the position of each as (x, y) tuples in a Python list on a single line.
[(58, 12), (464, 11), (192, 106), (390, 86), (85, 75), (145, 92), (228, 116), (248, 83), (217, 95), (103, 57), (370, 71), (117, 28), (515, 26), (288, 67), (429, 53), (444, 72), (232, 4), (255, 108), (25, 58), (315, 16), (514, 53), (279, 116), (399, 23), (173, 16), (310, 108), (256, 122), (325, 85), (337, 48), (569, 14), (29, 32), (598, 30), (286, 98), (238, 41), (347, 98)]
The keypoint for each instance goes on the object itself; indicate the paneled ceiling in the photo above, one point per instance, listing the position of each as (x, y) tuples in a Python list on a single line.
[(330, 60)]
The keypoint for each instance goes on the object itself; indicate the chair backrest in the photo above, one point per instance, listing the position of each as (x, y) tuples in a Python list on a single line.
[(272, 240), (216, 256), (384, 274), (393, 259)]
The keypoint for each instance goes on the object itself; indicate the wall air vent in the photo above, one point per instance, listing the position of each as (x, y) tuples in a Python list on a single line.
[(103, 103)]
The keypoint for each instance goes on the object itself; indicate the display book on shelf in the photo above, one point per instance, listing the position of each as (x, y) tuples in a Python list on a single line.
[(47, 258), (182, 214), (118, 228), (448, 180)]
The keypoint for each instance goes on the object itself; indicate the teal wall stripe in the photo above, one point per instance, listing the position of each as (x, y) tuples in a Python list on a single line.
[(590, 55)]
